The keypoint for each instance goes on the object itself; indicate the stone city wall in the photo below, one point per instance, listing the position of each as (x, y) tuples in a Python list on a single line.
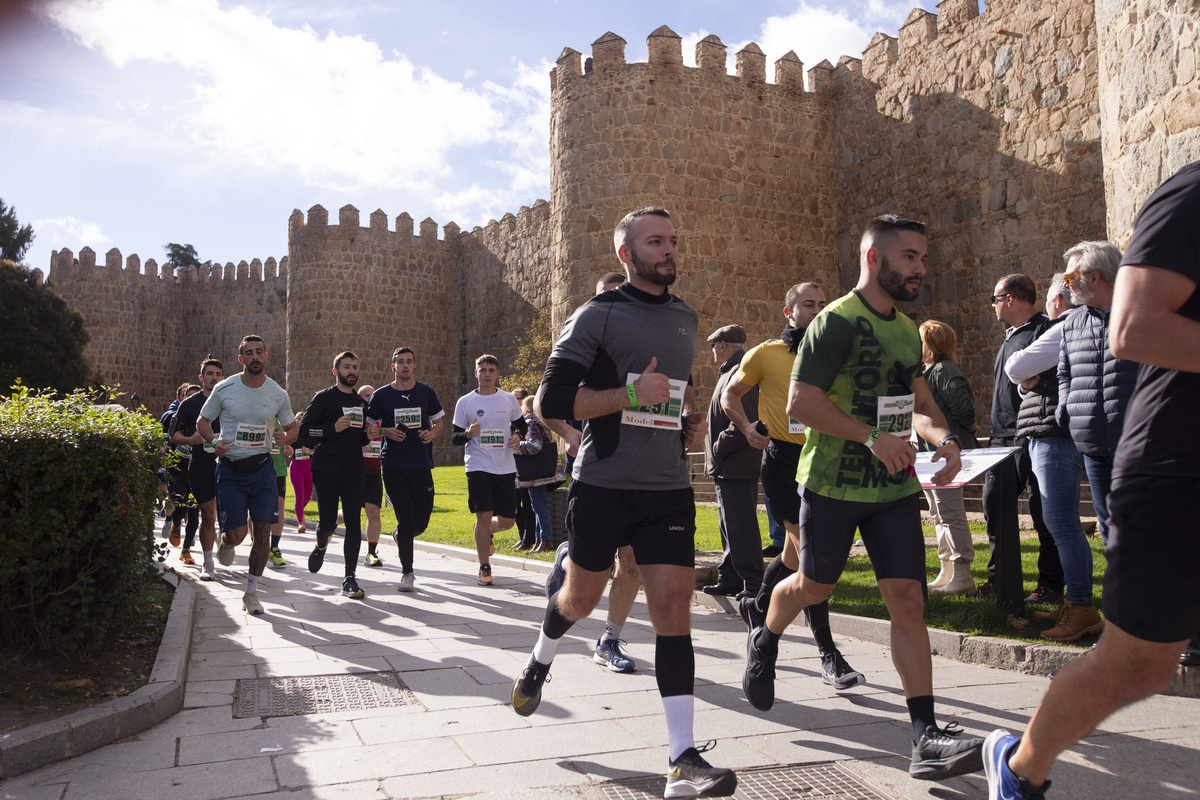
[(985, 127), (1149, 98), (150, 330)]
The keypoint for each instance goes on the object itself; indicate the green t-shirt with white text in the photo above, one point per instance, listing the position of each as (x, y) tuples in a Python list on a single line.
[(855, 355)]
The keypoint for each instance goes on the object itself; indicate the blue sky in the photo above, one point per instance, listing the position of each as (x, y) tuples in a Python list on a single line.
[(133, 123)]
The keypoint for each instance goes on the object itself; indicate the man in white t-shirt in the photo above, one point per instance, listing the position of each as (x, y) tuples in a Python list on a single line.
[(484, 422), (248, 405)]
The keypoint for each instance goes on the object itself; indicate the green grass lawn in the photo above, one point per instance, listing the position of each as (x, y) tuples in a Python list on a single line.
[(856, 593)]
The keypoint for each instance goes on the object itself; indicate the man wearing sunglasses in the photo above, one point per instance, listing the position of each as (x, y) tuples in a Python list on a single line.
[(1015, 302)]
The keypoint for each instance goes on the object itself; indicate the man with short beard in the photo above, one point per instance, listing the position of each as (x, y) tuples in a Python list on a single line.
[(623, 365), (203, 464), (334, 425), (249, 405), (857, 385)]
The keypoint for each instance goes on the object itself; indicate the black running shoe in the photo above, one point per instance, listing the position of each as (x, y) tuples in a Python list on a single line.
[(691, 776), (753, 618), (351, 589), (317, 557), (758, 682), (942, 753), (527, 691), (838, 674)]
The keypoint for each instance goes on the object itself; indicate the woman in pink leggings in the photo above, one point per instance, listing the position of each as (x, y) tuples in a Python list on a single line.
[(300, 472)]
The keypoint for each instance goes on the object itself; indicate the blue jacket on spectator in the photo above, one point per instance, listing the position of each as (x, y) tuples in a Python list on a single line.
[(1093, 385)]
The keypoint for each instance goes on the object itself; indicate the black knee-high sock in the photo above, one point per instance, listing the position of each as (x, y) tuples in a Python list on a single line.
[(775, 572), (193, 522), (920, 711), (555, 625), (275, 540), (674, 665), (818, 623)]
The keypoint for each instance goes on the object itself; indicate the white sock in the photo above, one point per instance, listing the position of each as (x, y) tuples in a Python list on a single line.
[(679, 709), (208, 561), (611, 630), (546, 648), (252, 583)]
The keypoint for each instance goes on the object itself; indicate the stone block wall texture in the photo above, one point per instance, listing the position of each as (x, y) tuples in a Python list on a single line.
[(150, 330), (1013, 134), (987, 129), (1149, 99)]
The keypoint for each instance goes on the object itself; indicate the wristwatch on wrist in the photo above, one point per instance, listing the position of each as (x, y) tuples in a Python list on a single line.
[(951, 438)]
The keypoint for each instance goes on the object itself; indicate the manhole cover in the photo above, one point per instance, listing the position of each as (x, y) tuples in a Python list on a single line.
[(289, 697), (812, 781)]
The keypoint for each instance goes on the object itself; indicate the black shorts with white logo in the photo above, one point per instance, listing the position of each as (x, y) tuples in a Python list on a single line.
[(660, 524)]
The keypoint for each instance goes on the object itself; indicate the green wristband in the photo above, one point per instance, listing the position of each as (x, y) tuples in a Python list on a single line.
[(871, 439), (632, 396)]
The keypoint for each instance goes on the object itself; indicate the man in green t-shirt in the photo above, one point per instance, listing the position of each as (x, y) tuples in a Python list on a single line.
[(857, 385)]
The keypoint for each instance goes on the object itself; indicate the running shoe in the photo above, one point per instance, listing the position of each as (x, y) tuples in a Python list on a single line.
[(374, 560), (558, 572), (208, 573), (691, 776), (485, 575), (1002, 783), (173, 536), (838, 674), (351, 589), (748, 609), (250, 604), (225, 553), (608, 655), (527, 691), (185, 557), (275, 559), (942, 753), (758, 681), (407, 582), (316, 558)]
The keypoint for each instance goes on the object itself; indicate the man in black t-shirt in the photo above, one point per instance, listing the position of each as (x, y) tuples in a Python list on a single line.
[(1151, 595), (334, 424), (202, 469)]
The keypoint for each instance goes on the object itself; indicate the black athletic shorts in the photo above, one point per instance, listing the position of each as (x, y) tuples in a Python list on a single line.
[(373, 488), (660, 525), (281, 484), (495, 493), (202, 474), (891, 532), (779, 479), (1150, 588)]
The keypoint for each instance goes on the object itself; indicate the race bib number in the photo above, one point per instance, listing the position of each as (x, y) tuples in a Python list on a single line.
[(895, 414), (493, 439), (660, 415), (184, 450), (251, 436), (210, 447), (300, 455), (355, 413), (408, 417), (795, 426), (374, 449)]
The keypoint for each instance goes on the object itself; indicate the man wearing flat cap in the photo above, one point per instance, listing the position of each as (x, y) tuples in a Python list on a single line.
[(734, 467)]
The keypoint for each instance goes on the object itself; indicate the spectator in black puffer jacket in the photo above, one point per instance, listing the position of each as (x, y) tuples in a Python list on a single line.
[(1094, 386)]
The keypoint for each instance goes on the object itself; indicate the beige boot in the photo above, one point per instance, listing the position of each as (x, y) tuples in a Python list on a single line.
[(943, 577), (1074, 622), (960, 580)]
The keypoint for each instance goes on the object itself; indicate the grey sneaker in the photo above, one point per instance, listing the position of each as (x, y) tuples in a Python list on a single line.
[(608, 655), (940, 753), (407, 582), (225, 553), (838, 674), (691, 776), (251, 604)]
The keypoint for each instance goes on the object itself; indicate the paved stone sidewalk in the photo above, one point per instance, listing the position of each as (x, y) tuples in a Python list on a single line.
[(458, 647)]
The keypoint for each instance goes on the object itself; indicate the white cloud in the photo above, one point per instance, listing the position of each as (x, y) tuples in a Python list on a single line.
[(73, 233), (333, 110)]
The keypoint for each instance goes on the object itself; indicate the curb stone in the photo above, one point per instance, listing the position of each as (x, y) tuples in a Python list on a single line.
[(1044, 660), (82, 731)]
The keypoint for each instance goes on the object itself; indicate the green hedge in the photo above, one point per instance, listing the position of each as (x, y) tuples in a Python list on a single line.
[(78, 486)]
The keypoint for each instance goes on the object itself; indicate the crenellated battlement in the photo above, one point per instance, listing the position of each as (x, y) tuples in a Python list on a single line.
[(350, 218), (63, 262)]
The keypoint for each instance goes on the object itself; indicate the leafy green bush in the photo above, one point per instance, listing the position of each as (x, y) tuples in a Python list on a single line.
[(78, 486)]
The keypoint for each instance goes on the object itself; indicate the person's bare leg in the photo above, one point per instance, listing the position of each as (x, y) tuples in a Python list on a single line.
[(791, 596), (791, 546), (625, 585), (502, 523), (208, 526), (482, 532), (1121, 670), (909, 637), (374, 523), (260, 547)]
